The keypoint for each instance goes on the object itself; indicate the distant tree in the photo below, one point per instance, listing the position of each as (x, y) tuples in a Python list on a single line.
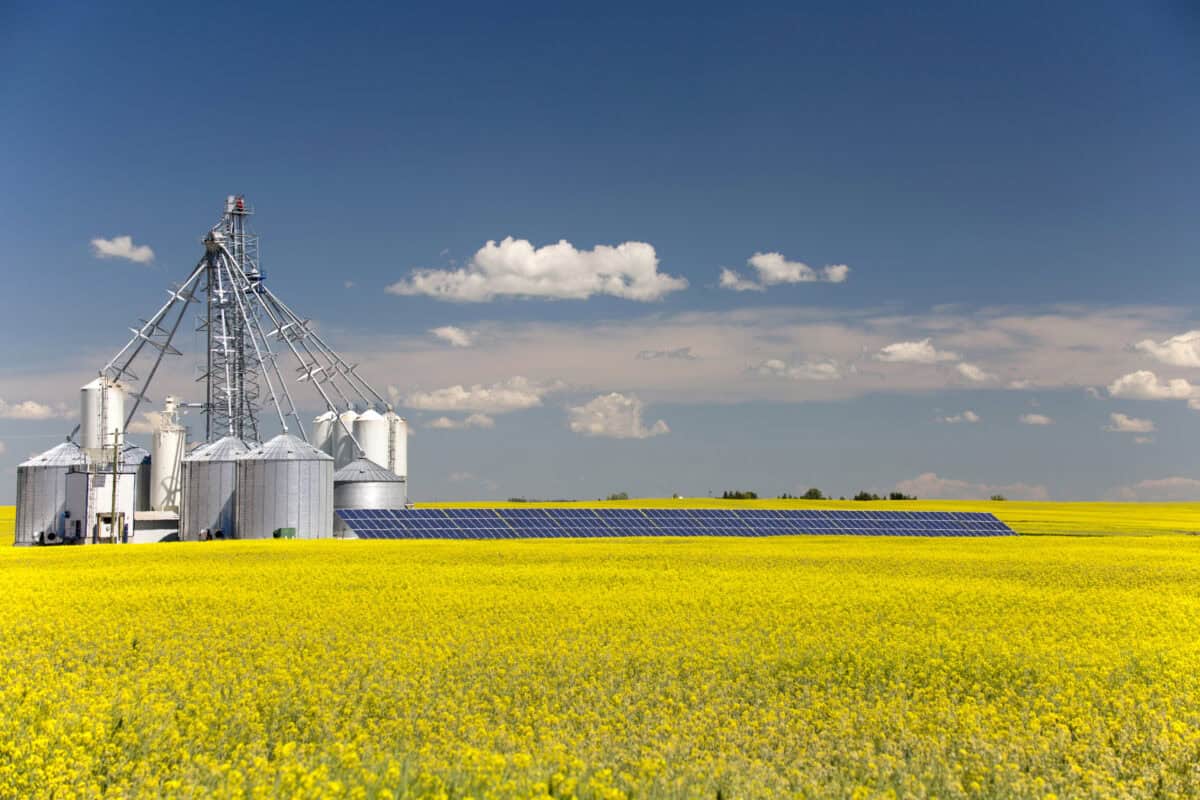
[(866, 496), (813, 494), (999, 497), (618, 496), (901, 496)]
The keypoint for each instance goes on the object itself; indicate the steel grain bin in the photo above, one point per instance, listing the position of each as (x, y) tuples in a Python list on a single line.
[(42, 492), (208, 485), (284, 484)]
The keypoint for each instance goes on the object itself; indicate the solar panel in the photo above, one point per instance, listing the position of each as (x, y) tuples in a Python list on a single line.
[(547, 523)]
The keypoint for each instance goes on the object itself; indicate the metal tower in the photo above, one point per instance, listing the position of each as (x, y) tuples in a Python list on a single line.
[(241, 319)]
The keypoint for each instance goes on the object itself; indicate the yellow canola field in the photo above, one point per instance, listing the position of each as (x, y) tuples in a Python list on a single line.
[(1010, 667), (1083, 518)]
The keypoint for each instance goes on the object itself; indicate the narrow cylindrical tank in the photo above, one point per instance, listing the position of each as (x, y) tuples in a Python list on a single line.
[(364, 484), (285, 489), (101, 411), (371, 431), (166, 458), (208, 485), (42, 493), (137, 459), (323, 426), (344, 450), (397, 460)]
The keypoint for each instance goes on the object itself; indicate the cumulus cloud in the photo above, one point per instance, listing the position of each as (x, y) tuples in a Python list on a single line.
[(825, 370), (1164, 490), (929, 484), (31, 410), (515, 268), (774, 268), (470, 421), (1036, 419), (122, 247), (972, 372), (1123, 424), (1144, 385), (615, 416), (1178, 351), (514, 394), (966, 416), (918, 352), (453, 336), (679, 353)]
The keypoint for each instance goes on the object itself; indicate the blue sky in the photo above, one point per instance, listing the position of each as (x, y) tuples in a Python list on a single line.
[(1015, 184)]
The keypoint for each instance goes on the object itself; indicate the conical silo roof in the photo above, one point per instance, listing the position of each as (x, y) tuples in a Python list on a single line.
[(225, 449), (64, 454), (363, 470), (286, 447)]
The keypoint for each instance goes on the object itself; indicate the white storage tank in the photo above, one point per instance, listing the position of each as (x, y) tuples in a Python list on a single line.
[(323, 426), (166, 458), (285, 489), (397, 460), (371, 431), (101, 411), (137, 459), (344, 450), (208, 484), (42, 493)]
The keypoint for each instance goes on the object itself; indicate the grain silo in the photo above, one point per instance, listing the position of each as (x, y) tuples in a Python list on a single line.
[(285, 489), (42, 494), (364, 484), (208, 483), (137, 459), (344, 448)]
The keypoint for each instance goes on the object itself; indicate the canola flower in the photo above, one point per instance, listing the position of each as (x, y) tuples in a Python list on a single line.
[(810, 666)]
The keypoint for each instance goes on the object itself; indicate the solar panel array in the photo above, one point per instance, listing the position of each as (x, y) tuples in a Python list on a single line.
[(554, 523)]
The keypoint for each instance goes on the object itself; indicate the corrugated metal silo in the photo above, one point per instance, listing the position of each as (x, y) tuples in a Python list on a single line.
[(42, 492), (371, 431), (285, 488), (397, 460), (365, 484), (344, 450), (323, 426), (138, 458), (208, 483)]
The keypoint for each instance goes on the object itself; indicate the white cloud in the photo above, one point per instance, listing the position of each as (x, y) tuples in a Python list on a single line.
[(1123, 424), (826, 370), (930, 485), (31, 410), (513, 394), (677, 354), (514, 267), (1144, 385), (1036, 419), (122, 247), (972, 372), (470, 421), (774, 268), (1165, 490), (730, 279), (1178, 351), (615, 416), (917, 352), (966, 416), (453, 336)]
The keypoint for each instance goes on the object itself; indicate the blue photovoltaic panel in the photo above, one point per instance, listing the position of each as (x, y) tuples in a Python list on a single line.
[(545, 523)]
